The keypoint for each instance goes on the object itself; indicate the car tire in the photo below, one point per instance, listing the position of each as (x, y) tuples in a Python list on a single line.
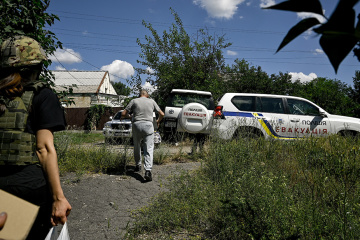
[(247, 133), (107, 140)]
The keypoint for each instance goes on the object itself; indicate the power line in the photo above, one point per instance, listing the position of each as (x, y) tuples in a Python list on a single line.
[(139, 22), (93, 65)]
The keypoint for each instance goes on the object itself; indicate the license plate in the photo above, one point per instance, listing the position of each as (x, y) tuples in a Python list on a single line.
[(170, 124), (120, 134)]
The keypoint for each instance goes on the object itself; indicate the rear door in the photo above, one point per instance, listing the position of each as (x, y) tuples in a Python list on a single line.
[(271, 114)]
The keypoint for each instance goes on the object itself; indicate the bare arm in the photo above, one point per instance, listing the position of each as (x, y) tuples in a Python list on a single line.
[(161, 115), (124, 113), (46, 152)]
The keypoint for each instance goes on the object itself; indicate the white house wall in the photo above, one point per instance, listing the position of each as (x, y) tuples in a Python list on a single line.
[(106, 87)]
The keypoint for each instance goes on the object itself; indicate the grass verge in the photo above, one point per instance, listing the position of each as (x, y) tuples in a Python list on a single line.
[(256, 189)]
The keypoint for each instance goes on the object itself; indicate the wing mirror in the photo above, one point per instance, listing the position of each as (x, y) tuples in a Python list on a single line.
[(322, 113), (111, 117)]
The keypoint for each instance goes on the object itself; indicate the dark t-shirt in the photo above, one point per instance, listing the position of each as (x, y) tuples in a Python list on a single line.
[(46, 113)]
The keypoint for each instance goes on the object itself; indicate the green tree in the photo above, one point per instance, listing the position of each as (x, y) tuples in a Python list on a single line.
[(24, 17), (332, 95), (339, 35), (94, 114), (356, 93), (241, 77), (121, 89), (180, 61)]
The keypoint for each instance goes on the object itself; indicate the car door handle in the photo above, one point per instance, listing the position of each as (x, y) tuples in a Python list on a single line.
[(295, 120)]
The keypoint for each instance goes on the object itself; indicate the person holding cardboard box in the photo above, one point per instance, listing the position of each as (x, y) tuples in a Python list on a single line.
[(29, 114)]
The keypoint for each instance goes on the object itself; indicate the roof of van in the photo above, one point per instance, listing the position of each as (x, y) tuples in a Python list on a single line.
[(191, 91)]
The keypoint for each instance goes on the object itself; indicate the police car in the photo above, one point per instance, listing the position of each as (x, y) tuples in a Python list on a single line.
[(189, 111), (276, 117)]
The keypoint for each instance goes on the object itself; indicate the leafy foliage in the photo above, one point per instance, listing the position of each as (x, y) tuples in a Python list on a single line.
[(21, 17), (283, 190), (24, 17), (94, 114), (121, 89), (332, 95), (178, 60), (241, 77), (338, 35)]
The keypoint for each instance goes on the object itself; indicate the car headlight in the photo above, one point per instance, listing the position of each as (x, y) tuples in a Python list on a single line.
[(107, 125)]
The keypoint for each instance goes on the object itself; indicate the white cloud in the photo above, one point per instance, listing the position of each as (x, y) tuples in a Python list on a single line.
[(219, 8), (266, 3), (231, 53), (59, 68), (149, 70), (150, 88), (66, 55), (302, 77), (318, 51), (119, 68), (303, 15)]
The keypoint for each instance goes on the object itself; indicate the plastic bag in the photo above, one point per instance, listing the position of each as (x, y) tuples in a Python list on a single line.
[(53, 233)]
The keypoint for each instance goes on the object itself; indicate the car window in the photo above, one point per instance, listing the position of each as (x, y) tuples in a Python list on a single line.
[(181, 99), (244, 103), (300, 107), (270, 105)]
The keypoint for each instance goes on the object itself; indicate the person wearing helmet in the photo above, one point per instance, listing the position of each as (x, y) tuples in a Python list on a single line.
[(29, 114)]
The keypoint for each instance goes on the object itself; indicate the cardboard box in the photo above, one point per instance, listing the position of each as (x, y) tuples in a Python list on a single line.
[(20, 216)]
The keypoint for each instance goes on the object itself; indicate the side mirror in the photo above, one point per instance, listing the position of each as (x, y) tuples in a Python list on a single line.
[(322, 113), (111, 117)]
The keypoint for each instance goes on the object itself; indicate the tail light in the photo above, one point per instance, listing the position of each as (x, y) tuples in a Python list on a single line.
[(218, 114)]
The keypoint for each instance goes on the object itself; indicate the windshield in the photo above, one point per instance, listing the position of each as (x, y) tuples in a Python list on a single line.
[(181, 99), (118, 115)]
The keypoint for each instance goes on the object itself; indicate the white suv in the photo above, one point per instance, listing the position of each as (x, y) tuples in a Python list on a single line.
[(277, 117), (189, 111), (117, 129)]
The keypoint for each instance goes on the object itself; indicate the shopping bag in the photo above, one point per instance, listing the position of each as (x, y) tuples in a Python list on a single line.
[(53, 233)]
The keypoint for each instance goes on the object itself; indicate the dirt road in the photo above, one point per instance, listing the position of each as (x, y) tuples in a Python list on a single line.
[(102, 203)]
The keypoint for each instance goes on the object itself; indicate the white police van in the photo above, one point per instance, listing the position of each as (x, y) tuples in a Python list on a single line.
[(276, 117)]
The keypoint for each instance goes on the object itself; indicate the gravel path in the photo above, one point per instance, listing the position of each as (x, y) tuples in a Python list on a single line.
[(102, 203)]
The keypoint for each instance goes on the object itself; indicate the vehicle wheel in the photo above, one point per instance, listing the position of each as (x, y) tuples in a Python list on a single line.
[(247, 133), (348, 133), (107, 140), (194, 117)]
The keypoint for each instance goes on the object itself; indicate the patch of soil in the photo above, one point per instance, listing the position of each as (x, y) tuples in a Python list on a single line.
[(101, 203)]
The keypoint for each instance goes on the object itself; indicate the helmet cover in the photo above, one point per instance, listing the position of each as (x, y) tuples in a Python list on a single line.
[(21, 51)]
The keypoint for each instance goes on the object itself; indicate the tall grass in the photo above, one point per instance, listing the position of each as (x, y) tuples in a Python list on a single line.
[(82, 152), (257, 189)]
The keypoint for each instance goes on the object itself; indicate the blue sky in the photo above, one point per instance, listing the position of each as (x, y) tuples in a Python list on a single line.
[(101, 35)]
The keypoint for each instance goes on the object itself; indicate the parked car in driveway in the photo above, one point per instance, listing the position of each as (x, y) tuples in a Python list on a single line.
[(117, 129), (121, 130), (276, 117)]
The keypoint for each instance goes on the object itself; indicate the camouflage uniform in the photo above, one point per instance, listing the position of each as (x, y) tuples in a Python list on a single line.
[(17, 147)]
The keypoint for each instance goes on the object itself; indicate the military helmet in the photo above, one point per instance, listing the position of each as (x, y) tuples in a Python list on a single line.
[(21, 51)]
